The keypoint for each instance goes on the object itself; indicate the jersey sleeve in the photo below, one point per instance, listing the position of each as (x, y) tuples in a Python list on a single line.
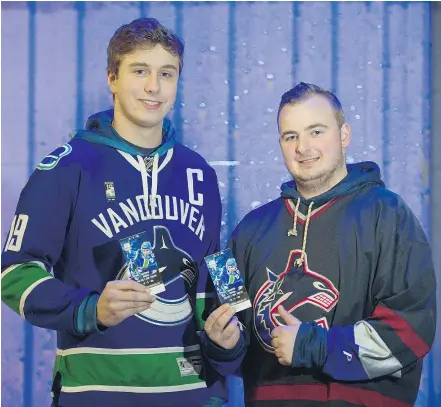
[(401, 329), (34, 246)]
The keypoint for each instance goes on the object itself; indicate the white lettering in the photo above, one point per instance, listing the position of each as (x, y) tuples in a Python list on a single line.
[(158, 206), (184, 210), (116, 220), (129, 212), (201, 228), (192, 218), (16, 234), (104, 227), (141, 207), (200, 177), (168, 215)]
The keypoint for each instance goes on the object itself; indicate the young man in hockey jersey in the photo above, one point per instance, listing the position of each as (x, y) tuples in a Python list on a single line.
[(118, 345), (339, 272)]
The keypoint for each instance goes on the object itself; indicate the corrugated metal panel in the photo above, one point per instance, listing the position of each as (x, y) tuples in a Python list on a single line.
[(240, 58)]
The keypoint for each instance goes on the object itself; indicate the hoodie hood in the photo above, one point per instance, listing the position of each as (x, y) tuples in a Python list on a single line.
[(359, 175), (99, 130)]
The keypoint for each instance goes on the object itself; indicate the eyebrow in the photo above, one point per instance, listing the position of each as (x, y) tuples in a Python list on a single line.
[(144, 65), (310, 127)]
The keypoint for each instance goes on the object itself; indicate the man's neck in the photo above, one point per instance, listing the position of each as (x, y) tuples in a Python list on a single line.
[(146, 137), (311, 190)]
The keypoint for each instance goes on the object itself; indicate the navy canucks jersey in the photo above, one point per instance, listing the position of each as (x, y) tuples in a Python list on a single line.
[(64, 244), (354, 265)]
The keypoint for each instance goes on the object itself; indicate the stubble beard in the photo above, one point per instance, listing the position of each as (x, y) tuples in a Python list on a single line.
[(322, 181)]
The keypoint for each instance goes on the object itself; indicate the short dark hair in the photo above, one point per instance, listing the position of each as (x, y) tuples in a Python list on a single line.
[(304, 91), (143, 33)]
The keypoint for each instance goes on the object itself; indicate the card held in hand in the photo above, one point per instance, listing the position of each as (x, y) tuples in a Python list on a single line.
[(227, 280), (141, 262)]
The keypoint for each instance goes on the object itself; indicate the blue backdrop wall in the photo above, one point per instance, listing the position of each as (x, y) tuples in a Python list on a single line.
[(240, 58)]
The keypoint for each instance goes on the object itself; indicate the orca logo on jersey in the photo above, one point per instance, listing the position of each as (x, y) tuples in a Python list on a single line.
[(179, 274), (293, 288), (51, 160)]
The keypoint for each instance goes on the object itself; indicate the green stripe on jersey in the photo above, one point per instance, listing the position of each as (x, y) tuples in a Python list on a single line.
[(18, 282), (140, 368), (204, 301)]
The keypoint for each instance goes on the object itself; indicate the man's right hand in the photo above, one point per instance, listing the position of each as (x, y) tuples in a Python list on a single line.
[(120, 300), (222, 327)]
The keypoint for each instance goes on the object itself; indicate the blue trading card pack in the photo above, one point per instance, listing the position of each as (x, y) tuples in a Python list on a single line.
[(227, 280), (141, 262)]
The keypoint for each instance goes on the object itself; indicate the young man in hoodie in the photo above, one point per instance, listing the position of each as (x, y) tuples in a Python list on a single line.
[(117, 344), (339, 272)]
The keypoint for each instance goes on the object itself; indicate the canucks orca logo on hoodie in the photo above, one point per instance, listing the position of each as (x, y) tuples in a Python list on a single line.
[(294, 288)]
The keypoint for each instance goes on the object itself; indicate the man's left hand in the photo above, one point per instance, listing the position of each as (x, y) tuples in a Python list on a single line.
[(284, 337)]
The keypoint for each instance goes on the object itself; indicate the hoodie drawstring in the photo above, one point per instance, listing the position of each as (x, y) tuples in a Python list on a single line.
[(149, 199), (154, 180), (293, 231)]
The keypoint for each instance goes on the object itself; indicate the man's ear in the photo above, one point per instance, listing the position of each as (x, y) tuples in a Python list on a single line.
[(111, 81), (345, 135)]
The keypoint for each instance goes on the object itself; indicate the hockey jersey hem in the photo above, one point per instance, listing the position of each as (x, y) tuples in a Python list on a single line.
[(322, 393), (169, 368)]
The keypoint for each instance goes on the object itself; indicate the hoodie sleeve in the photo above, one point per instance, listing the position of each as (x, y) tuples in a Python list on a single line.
[(34, 246), (401, 329), (225, 362)]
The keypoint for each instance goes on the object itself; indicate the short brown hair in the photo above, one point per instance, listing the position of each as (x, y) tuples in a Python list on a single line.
[(304, 91), (143, 33)]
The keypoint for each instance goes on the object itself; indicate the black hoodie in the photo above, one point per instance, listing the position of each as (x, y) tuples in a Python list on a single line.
[(354, 265)]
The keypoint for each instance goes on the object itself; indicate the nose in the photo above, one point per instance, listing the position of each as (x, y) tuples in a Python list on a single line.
[(152, 83), (302, 146)]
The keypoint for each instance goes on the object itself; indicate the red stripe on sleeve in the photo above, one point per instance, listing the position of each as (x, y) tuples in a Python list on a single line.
[(403, 329)]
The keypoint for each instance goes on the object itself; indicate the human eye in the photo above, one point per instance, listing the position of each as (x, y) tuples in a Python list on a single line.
[(290, 137), (140, 72), (166, 75)]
